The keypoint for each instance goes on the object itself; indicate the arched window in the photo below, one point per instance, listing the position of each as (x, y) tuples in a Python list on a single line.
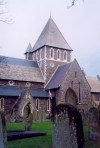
[(41, 54), (33, 56), (79, 92), (37, 55), (65, 55), (58, 54), (51, 53), (37, 104), (2, 104), (48, 105)]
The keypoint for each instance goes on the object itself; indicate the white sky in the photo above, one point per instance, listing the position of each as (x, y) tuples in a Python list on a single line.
[(80, 26)]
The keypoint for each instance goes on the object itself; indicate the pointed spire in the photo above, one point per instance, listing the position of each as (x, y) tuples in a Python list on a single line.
[(51, 36), (29, 48)]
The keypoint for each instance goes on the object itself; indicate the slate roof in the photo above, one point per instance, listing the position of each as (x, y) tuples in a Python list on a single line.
[(58, 76), (19, 69), (16, 91), (29, 48), (51, 36), (94, 84)]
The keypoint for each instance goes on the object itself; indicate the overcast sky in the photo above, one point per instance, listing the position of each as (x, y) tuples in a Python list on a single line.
[(80, 26)]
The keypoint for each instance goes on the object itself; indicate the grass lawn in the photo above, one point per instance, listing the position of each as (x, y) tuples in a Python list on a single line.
[(43, 141)]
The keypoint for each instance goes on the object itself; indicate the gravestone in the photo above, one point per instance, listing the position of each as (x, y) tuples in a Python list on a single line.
[(27, 118), (34, 115), (41, 116), (3, 136), (67, 129), (94, 123)]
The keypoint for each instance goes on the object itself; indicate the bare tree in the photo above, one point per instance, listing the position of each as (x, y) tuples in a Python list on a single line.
[(73, 2), (3, 12)]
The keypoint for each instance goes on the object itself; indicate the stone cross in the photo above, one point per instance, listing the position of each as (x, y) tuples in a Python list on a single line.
[(3, 136)]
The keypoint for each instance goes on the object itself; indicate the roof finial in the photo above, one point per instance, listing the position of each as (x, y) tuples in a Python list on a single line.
[(50, 14)]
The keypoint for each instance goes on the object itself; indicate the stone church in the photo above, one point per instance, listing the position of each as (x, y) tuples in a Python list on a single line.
[(47, 73)]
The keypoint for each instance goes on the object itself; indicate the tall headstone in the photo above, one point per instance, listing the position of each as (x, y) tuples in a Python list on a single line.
[(3, 136), (27, 118), (94, 123), (67, 128)]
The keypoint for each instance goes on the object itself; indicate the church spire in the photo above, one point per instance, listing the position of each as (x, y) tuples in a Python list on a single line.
[(51, 36)]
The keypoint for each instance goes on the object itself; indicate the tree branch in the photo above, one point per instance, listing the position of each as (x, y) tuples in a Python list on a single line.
[(3, 13), (73, 3), (7, 21), (2, 2)]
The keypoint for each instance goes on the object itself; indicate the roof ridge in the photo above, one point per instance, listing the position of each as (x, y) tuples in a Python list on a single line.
[(15, 58), (47, 30)]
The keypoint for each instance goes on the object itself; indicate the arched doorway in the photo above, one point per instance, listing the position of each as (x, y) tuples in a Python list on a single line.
[(71, 97)]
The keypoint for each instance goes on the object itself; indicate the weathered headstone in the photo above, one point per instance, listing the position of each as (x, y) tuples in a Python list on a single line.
[(34, 115), (3, 136), (41, 116), (27, 118), (94, 123), (67, 127)]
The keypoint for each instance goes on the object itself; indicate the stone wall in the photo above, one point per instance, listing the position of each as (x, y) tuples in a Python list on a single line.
[(10, 109), (76, 75), (9, 103), (47, 64), (53, 63), (21, 83)]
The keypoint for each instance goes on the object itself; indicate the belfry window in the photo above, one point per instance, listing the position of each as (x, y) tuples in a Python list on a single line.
[(51, 53), (37, 55), (65, 55), (58, 54), (40, 56), (33, 57)]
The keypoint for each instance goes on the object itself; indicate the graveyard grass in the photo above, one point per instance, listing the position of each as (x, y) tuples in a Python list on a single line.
[(42, 141)]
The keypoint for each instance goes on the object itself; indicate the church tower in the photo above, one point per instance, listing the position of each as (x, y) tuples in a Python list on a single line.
[(50, 51)]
